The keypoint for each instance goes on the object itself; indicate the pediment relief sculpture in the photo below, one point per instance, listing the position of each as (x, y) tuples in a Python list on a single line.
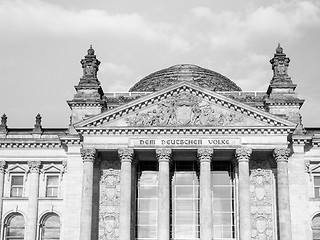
[(185, 109)]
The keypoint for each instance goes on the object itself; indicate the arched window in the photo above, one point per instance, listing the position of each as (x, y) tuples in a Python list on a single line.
[(50, 227), (316, 227), (14, 227)]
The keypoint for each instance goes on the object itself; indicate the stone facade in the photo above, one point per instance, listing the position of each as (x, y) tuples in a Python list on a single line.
[(122, 157)]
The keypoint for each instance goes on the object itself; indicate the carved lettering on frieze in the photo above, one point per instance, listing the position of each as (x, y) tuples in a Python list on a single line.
[(109, 200), (185, 109), (262, 201)]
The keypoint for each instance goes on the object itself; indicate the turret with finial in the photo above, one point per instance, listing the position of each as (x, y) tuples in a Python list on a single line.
[(280, 64), (37, 126), (3, 125)]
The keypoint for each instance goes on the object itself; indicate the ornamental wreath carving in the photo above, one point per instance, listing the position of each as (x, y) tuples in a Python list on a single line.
[(184, 109)]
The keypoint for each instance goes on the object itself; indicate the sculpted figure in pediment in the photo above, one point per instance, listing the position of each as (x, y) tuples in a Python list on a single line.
[(184, 109)]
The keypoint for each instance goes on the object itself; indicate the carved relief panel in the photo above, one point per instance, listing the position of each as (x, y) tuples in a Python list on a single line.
[(262, 192), (109, 200)]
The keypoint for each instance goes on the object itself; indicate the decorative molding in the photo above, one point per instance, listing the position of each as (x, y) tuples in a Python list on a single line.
[(204, 154), (3, 165), (89, 154), (163, 154), (262, 203), (8, 143), (34, 166), (243, 154), (281, 154), (126, 154), (188, 130)]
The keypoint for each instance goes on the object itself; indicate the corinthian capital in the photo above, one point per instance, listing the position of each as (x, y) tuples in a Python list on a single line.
[(34, 166), (2, 166), (163, 154), (125, 154), (88, 154), (281, 154), (205, 154), (243, 154)]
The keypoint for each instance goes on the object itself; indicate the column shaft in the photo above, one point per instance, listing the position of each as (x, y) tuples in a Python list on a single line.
[(204, 156), (33, 180), (88, 157), (243, 156), (163, 156), (126, 156), (281, 156)]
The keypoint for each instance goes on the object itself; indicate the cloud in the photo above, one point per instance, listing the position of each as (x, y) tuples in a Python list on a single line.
[(119, 77), (237, 29), (39, 18)]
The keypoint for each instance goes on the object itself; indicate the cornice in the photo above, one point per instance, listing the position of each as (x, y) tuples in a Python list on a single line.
[(84, 103), (186, 130), (71, 140), (29, 144)]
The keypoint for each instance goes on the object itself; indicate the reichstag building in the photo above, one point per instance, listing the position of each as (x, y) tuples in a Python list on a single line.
[(185, 154)]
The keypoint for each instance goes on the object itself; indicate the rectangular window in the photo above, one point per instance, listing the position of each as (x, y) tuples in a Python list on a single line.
[(222, 200), (147, 201), (52, 186), (185, 200), (316, 182), (16, 186)]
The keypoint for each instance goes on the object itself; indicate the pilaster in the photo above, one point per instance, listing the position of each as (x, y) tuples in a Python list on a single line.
[(33, 179)]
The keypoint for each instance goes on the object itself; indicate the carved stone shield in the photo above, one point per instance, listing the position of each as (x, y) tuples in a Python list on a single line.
[(183, 115)]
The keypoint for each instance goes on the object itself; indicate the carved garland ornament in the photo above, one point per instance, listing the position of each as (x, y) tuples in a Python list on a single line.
[(184, 109), (205, 154)]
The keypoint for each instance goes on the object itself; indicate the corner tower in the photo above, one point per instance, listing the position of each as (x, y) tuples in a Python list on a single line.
[(281, 98), (88, 99)]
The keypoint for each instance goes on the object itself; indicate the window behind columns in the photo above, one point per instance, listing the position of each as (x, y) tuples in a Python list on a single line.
[(185, 200), (147, 200), (222, 200), (316, 227), (14, 227)]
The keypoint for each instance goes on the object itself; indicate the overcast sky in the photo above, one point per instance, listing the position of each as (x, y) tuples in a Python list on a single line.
[(42, 43)]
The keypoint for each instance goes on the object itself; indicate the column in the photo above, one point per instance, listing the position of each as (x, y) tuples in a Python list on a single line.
[(126, 156), (33, 179), (2, 167), (281, 157), (88, 157), (243, 157), (164, 156), (204, 157)]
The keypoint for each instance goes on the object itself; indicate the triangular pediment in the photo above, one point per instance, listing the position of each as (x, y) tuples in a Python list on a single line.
[(184, 105)]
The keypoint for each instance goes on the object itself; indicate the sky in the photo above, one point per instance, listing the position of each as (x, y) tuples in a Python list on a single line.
[(42, 43)]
